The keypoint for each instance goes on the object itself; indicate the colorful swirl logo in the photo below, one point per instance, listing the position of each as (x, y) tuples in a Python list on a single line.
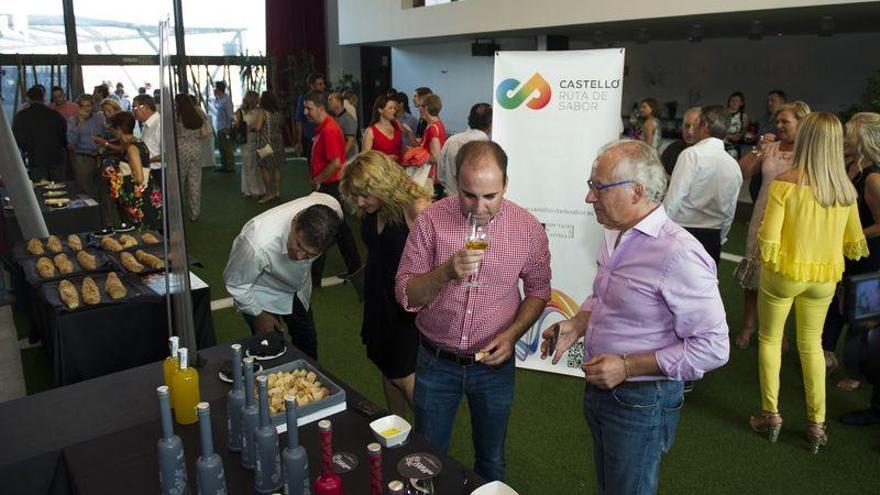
[(536, 83), (561, 304)]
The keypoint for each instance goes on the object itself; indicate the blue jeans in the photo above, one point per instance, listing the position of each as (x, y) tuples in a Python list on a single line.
[(439, 387), (632, 428)]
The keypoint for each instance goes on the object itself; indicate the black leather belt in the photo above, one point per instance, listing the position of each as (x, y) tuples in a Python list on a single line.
[(462, 359), (85, 154)]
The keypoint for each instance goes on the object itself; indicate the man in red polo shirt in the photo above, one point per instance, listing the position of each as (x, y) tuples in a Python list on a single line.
[(325, 167)]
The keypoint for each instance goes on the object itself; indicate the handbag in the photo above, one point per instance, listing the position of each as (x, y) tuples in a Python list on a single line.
[(266, 149), (240, 133)]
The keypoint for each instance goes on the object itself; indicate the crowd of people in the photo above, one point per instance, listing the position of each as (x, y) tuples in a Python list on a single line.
[(655, 322)]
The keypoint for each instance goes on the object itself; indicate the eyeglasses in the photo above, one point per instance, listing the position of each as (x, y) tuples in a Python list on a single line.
[(596, 188)]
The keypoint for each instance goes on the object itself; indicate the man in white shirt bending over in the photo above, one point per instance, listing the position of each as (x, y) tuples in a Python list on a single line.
[(479, 128), (268, 273), (705, 184)]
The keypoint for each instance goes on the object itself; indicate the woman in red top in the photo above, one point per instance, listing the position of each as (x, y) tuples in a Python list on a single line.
[(434, 137), (384, 132)]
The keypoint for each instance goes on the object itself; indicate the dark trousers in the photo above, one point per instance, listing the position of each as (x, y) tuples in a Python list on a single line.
[(300, 325), (227, 149), (344, 239), (711, 241), (834, 322)]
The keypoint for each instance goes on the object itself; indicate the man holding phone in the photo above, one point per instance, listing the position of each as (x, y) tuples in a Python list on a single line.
[(268, 273), (655, 319)]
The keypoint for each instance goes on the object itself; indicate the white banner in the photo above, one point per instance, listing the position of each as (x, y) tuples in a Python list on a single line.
[(552, 112)]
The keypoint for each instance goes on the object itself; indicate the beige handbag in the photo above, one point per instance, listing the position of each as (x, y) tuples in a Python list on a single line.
[(266, 149)]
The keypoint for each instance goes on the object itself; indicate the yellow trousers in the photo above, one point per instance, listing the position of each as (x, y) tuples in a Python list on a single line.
[(811, 300)]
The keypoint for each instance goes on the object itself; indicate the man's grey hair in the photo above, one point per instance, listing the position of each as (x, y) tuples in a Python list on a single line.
[(691, 110), (639, 162), (718, 119)]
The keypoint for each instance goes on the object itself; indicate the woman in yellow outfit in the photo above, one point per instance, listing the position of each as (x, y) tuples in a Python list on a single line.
[(810, 223)]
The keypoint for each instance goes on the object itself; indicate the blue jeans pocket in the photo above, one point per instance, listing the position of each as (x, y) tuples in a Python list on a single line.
[(669, 423), (635, 398), (425, 360)]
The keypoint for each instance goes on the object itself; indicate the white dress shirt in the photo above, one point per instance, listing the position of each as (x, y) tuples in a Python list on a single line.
[(446, 170), (152, 137), (704, 187), (259, 275)]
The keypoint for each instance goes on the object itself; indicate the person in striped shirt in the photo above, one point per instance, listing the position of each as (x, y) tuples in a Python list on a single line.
[(468, 332)]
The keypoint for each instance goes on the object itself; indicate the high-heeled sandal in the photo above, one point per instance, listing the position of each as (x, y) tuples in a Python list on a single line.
[(849, 384), (831, 362), (769, 423), (817, 437), (744, 337)]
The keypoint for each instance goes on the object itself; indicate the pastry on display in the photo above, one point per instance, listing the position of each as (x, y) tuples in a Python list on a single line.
[(45, 268), (53, 244), (149, 260), (300, 383), (68, 294), (90, 292), (74, 243), (111, 244), (127, 241), (149, 238), (57, 202), (130, 263), (87, 261), (64, 265), (114, 287), (35, 246)]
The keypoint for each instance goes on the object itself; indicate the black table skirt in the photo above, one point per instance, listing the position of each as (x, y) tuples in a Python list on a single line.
[(99, 436), (97, 341)]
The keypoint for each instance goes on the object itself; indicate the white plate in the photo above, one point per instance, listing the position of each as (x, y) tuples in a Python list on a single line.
[(494, 488)]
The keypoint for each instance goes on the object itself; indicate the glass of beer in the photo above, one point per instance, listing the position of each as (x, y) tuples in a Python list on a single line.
[(477, 237)]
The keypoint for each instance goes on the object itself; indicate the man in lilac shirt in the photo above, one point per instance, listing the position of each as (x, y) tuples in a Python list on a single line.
[(654, 320)]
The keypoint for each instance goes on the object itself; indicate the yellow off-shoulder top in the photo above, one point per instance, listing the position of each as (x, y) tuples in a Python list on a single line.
[(805, 241)]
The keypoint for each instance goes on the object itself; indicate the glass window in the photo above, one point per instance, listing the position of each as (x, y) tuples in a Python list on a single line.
[(14, 81), (131, 77), (238, 80), (224, 27), (32, 26), (123, 27)]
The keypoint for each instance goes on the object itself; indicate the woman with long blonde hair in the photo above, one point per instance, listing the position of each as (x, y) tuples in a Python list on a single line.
[(773, 155), (388, 202), (811, 222)]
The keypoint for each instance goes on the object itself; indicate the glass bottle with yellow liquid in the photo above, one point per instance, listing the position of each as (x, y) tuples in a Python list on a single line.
[(185, 390), (171, 363)]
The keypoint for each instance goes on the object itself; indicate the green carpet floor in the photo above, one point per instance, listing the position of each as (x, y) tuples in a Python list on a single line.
[(549, 450)]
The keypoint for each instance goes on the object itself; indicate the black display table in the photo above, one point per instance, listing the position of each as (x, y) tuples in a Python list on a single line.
[(83, 215), (99, 436), (107, 338)]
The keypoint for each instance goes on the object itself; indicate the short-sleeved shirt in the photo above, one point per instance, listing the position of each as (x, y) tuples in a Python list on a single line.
[(349, 127), (299, 114), (328, 144)]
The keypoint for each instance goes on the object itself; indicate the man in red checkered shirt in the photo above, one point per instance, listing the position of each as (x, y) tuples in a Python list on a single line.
[(468, 333)]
